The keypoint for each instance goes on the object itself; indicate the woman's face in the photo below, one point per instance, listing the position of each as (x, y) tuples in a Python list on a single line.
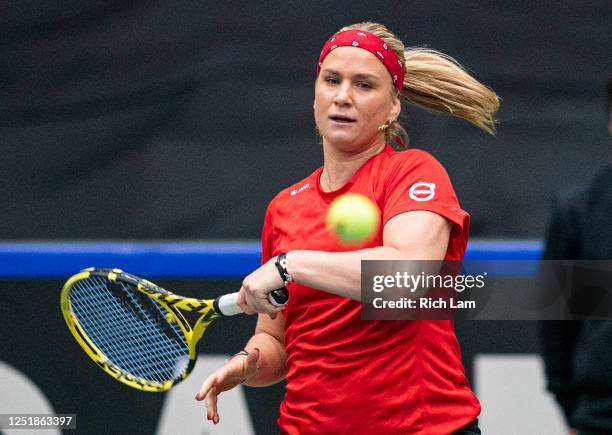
[(354, 96)]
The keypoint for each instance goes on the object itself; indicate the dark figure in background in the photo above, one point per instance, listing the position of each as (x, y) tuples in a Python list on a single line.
[(578, 354)]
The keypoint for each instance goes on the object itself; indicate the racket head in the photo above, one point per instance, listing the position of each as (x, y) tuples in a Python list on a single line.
[(132, 328)]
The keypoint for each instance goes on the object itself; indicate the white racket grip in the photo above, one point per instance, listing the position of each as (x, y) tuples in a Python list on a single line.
[(228, 304)]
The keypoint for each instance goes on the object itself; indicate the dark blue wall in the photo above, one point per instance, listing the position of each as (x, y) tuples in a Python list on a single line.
[(182, 119)]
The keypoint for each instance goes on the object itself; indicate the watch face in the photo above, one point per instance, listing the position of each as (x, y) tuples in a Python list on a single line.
[(281, 264)]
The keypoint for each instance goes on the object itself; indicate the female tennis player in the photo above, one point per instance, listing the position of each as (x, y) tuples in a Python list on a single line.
[(345, 375)]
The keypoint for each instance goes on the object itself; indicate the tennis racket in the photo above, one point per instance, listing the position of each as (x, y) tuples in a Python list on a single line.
[(136, 331)]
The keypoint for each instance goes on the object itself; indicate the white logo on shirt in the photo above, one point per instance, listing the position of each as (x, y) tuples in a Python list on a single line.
[(296, 191), (422, 191)]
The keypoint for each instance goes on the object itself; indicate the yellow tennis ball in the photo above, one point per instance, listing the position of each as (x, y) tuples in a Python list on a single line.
[(354, 218)]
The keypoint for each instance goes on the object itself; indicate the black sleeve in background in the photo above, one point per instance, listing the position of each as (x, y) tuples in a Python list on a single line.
[(558, 338), (562, 239)]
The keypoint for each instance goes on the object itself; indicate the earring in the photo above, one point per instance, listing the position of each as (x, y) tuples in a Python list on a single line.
[(385, 126)]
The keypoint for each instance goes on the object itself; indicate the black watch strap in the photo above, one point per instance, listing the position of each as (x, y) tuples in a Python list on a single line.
[(281, 266)]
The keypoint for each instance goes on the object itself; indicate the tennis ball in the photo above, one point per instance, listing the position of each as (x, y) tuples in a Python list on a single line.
[(354, 218)]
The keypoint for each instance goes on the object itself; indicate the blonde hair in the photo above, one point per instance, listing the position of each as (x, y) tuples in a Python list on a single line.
[(437, 82)]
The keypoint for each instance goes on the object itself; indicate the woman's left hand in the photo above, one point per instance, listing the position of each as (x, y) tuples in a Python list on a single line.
[(256, 287)]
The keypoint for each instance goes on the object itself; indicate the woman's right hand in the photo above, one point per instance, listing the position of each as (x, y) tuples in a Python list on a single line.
[(235, 371)]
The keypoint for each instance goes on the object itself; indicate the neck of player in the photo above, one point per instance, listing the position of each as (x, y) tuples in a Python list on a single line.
[(339, 165)]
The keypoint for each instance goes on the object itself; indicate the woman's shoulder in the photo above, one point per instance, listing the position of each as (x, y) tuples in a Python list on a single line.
[(405, 160)]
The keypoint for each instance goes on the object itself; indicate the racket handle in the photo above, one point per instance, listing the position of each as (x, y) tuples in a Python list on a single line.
[(227, 305), (279, 297)]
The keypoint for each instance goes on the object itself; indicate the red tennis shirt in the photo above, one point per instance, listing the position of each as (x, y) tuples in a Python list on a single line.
[(352, 376)]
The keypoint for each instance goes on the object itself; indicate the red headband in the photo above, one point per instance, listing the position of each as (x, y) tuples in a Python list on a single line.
[(372, 43)]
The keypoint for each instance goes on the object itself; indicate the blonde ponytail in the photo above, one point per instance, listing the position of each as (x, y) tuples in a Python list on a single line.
[(437, 82)]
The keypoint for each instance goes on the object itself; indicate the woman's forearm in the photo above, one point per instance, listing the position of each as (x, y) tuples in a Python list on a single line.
[(416, 235), (272, 363), (336, 272)]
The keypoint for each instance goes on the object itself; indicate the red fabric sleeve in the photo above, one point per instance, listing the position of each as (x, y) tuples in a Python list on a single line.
[(266, 237), (417, 181)]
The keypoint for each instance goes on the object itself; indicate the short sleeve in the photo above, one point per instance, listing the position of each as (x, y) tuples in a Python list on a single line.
[(266, 236), (417, 181)]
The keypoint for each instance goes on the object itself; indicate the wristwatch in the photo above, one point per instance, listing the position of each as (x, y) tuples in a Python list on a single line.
[(281, 264)]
